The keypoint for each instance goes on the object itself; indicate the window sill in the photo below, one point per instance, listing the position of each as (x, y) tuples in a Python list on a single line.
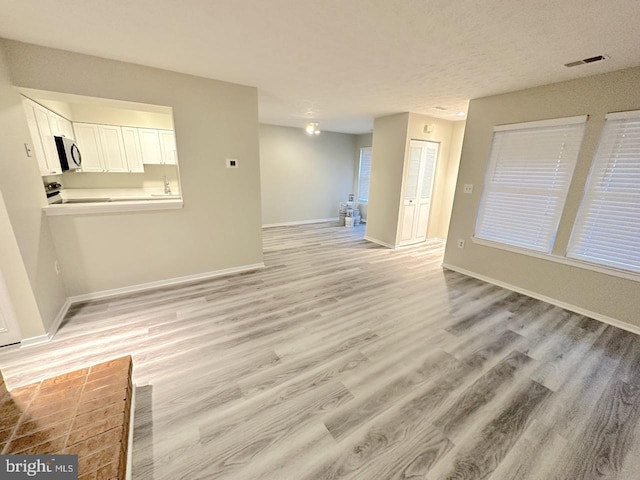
[(559, 259), (97, 208)]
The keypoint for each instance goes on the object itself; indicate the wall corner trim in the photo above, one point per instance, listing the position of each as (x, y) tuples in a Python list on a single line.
[(37, 340), (567, 306)]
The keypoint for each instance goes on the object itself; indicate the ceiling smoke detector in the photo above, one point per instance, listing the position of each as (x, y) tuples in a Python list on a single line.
[(584, 61)]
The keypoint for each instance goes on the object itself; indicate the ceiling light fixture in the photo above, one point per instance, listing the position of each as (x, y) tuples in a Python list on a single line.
[(312, 128), (460, 114)]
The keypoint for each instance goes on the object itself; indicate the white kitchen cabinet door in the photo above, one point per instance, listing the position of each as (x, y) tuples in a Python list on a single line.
[(168, 146), (150, 146), (36, 141), (54, 124), (48, 143), (87, 138), (113, 153), (132, 149), (66, 128)]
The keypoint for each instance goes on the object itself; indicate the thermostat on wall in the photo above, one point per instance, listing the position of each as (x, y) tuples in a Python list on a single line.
[(232, 163)]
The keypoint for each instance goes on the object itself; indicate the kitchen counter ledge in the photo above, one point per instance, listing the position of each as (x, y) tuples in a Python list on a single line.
[(97, 201)]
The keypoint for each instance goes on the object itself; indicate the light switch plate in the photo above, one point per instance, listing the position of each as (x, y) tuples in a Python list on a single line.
[(468, 188), (232, 163)]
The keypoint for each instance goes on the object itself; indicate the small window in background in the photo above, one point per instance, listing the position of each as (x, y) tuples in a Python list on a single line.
[(364, 174), (607, 228), (527, 180)]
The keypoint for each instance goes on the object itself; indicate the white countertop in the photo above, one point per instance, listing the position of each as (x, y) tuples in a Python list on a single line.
[(81, 201), (115, 194)]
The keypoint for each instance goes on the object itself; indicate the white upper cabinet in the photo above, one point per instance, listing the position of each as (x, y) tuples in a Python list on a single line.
[(48, 142), (168, 146), (113, 148), (132, 151), (36, 140), (113, 153), (66, 128), (88, 141), (150, 146)]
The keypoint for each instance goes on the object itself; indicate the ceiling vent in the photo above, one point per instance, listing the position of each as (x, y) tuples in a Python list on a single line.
[(586, 60)]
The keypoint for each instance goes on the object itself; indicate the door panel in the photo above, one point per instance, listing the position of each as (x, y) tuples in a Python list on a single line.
[(413, 174), (150, 146), (88, 141), (408, 214), (417, 194), (113, 148)]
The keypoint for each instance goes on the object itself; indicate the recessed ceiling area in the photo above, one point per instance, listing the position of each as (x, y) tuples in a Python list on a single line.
[(343, 63)]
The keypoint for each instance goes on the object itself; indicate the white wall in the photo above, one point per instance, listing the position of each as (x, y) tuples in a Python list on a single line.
[(304, 178), (585, 290), (27, 251), (220, 224)]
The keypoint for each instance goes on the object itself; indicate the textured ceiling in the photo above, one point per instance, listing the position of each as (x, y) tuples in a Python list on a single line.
[(345, 62)]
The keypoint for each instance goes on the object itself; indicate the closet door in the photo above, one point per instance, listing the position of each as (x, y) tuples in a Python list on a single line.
[(430, 153), (418, 185), (410, 200)]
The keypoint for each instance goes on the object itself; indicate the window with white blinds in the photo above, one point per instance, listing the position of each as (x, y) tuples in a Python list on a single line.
[(607, 229), (527, 180), (364, 174)]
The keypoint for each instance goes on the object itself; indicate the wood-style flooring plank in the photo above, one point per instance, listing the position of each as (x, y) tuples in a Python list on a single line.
[(345, 360)]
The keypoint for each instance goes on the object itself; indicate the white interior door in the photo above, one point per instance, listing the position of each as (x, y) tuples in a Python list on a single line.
[(416, 202), (410, 200), (9, 330), (430, 155)]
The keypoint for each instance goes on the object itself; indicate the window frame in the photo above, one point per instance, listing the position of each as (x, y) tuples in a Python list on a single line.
[(497, 184), (603, 188), (358, 184)]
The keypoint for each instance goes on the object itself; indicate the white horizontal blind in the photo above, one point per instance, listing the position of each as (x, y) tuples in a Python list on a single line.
[(527, 180), (364, 174), (607, 229)]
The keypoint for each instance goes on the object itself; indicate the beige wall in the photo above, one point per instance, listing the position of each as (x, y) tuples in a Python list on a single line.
[(91, 113), (303, 177), (387, 163), (28, 252), (362, 141), (447, 183), (391, 139), (588, 290), (219, 226)]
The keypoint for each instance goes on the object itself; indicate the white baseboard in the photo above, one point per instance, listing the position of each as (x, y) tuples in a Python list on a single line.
[(37, 340), (558, 303), (163, 283), (28, 342), (300, 222), (379, 242)]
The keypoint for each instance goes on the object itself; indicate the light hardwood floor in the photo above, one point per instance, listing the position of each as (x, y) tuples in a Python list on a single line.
[(345, 360)]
